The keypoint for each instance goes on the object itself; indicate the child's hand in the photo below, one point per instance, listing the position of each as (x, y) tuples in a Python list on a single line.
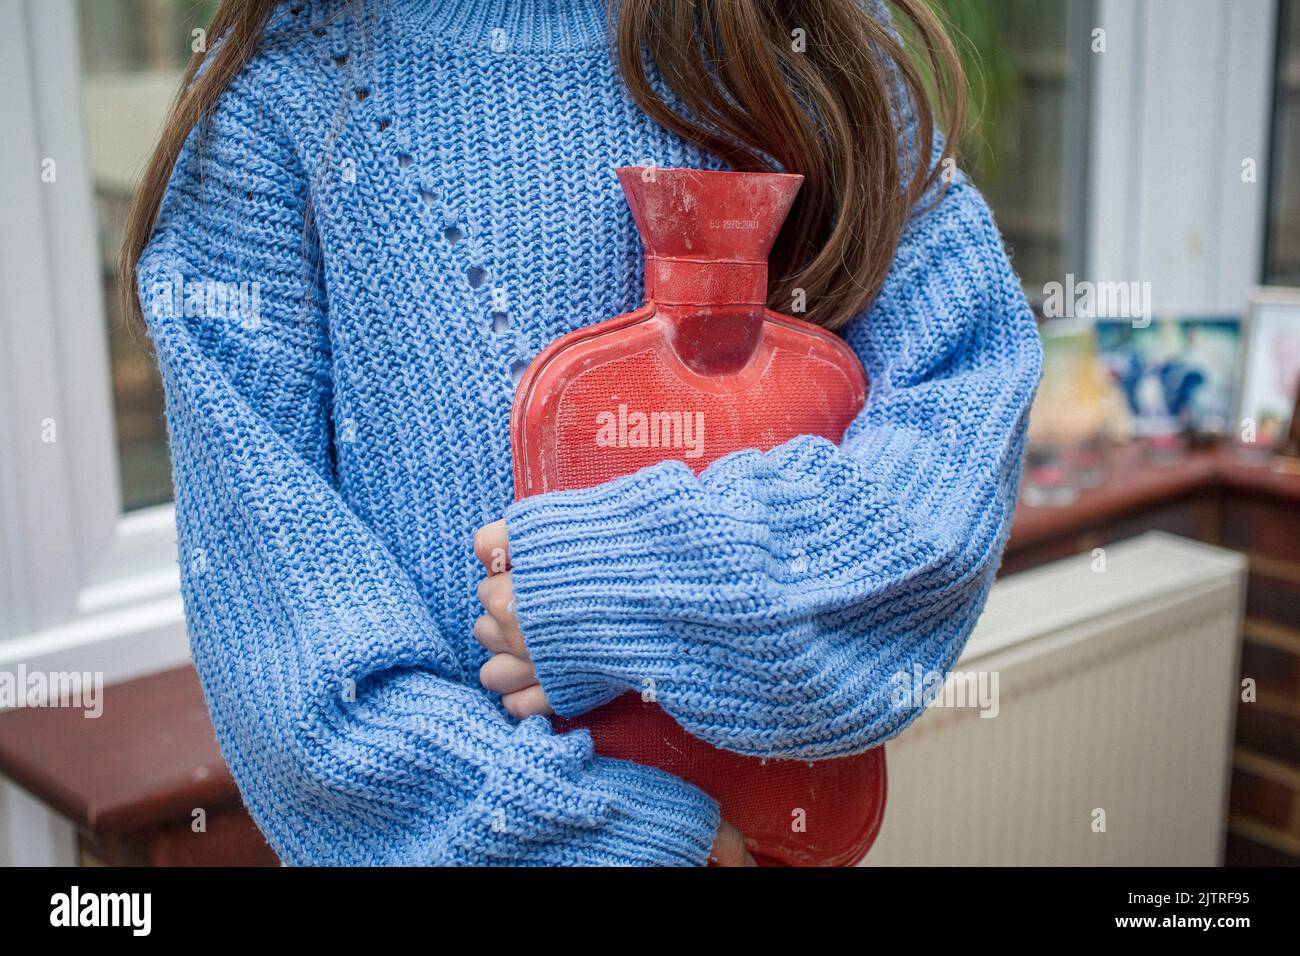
[(509, 672)]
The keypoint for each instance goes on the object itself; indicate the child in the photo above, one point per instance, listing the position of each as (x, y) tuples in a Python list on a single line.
[(414, 197)]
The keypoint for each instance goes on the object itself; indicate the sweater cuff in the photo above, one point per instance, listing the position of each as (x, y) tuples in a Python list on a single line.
[(665, 821), (588, 568)]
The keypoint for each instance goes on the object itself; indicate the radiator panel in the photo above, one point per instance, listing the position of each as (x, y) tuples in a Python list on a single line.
[(1116, 691)]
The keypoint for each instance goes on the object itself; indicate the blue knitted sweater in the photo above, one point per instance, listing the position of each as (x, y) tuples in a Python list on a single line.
[(382, 222)]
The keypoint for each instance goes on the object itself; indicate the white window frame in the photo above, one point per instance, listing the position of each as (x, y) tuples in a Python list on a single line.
[(83, 586), (1182, 95)]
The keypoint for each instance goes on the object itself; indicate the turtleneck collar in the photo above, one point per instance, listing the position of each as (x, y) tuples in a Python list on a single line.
[(503, 26)]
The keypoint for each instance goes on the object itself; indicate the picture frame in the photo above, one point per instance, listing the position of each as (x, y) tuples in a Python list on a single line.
[(1178, 374), (1269, 379), (1070, 406)]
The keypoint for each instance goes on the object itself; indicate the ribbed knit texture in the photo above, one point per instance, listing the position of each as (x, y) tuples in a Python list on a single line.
[(336, 447)]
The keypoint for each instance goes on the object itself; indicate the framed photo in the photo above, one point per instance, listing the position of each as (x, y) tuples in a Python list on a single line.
[(1270, 367), (1177, 374), (1071, 406)]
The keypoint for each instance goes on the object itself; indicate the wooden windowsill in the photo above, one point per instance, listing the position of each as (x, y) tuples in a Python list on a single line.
[(150, 758)]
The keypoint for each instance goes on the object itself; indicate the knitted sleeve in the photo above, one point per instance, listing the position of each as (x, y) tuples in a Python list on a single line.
[(352, 731), (770, 602)]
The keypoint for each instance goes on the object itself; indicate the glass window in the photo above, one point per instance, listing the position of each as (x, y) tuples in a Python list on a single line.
[(1282, 247), (1026, 66), (133, 55)]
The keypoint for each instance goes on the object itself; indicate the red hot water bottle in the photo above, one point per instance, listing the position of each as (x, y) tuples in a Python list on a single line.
[(701, 370)]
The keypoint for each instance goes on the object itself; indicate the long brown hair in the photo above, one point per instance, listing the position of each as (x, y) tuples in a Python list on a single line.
[(817, 87)]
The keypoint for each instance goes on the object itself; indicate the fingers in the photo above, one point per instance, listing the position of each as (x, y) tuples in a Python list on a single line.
[(497, 595), (489, 632), (527, 702), (729, 847), (505, 674), (492, 547), (498, 630), (508, 672)]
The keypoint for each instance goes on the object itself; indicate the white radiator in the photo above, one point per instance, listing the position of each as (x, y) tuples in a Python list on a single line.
[(1111, 742)]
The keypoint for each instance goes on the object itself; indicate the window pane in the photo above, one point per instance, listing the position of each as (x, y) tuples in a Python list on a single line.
[(1025, 111), (1282, 259), (133, 54)]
